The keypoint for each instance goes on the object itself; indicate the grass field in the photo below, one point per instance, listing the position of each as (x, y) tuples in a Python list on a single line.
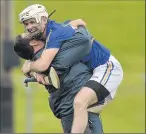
[(120, 25)]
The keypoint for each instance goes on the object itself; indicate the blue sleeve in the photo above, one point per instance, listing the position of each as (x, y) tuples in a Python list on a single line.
[(55, 37)]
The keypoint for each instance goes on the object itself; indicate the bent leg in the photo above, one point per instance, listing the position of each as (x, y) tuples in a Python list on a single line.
[(83, 99), (87, 97), (101, 86)]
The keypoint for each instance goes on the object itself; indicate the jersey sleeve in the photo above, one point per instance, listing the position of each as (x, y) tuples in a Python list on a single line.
[(55, 37)]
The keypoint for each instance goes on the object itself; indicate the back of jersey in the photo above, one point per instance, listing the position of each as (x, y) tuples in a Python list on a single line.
[(98, 55)]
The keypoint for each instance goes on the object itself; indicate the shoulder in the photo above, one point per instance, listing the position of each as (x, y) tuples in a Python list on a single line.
[(66, 31)]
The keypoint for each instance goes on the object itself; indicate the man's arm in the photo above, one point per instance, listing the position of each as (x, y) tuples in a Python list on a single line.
[(43, 63), (52, 47), (48, 55)]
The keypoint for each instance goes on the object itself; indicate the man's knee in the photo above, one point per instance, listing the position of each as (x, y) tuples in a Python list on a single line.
[(79, 103), (84, 98)]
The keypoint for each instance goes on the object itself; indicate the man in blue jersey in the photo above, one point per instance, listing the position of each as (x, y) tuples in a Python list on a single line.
[(107, 71)]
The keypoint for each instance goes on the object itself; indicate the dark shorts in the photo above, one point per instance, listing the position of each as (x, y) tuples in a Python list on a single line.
[(94, 124), (100, 90)]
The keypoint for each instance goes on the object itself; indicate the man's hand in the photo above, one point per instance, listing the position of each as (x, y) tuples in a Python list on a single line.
[(40, 79), (76, 23), (26, 68)]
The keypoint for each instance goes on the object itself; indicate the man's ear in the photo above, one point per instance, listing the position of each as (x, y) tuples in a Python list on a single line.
[(44, 19)]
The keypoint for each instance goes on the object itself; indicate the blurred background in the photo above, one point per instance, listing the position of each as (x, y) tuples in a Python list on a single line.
[(119, 25)]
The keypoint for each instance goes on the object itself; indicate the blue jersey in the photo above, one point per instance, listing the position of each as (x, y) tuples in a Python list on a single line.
[(56, 33), (98, 55)]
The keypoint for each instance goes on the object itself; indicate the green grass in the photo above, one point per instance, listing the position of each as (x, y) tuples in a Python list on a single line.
[(120, 25)]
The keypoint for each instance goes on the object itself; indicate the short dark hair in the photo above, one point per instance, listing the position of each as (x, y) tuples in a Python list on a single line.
[(22, 48)]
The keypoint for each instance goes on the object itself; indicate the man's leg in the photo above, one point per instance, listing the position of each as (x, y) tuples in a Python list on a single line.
[(104, 82), (81, 103), (94, 124), (68, 120), (87, 96), (67, 123)]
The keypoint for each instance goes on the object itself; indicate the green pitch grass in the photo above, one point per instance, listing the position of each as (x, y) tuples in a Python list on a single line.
[(120, 26)]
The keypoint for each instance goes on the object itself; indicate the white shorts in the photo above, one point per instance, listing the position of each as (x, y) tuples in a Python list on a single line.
[(110, 76)]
